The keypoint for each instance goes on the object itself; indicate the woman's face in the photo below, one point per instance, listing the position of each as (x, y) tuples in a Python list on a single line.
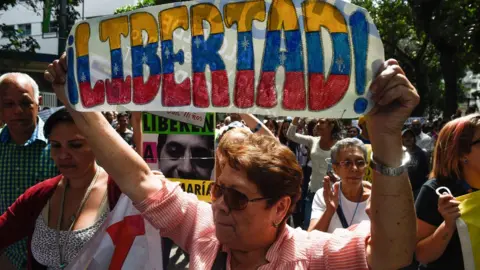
[(186, 156), (323, 127), (350, 165), (250, 228), (474, 155), (408, 140), (70, 151)]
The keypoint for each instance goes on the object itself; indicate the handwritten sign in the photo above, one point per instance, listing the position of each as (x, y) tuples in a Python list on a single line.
[(274, 57)]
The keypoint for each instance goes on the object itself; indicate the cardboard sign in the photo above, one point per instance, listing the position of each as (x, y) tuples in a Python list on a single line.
[(275, 57), (182, 152)]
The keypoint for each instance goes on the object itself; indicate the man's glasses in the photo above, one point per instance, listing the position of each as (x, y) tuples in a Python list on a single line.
[(348, 164), (234, 199)]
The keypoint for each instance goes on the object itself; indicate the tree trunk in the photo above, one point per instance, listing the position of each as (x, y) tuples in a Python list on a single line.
[(423, 88), (449, 65)]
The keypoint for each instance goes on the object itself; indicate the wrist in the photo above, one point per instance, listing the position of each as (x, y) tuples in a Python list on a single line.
[(330, 211), (388, 149)]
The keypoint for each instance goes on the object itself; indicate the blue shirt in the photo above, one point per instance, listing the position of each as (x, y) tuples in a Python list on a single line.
[(22, 166)]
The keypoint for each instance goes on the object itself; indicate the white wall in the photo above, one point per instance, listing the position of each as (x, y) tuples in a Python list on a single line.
[(21, 14)]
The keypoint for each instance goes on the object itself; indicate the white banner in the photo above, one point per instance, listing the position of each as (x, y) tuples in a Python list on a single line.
[(281, 57), (197, 119)]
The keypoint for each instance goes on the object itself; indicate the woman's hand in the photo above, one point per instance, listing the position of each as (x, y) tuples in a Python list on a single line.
[(448, 208), (330, 195), (56, 73)]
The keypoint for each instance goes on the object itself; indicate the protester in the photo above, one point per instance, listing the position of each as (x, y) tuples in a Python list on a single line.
[(24, 151), (122, 128), (418, 166), (456, 167), (364, 134), (70, 207), (353, 132), (259, 186), (111, 118), (272, 125), (342, 204), (422, 140), (328, 133)]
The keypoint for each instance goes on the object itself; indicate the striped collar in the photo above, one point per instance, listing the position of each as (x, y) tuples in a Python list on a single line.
[(37, 134)]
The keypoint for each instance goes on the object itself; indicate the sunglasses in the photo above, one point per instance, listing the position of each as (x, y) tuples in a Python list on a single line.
[(475, 142), (360, 163), (234, 199)]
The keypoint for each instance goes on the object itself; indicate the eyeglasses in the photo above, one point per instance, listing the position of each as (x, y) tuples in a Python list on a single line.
[(234, 199), (360, 164)]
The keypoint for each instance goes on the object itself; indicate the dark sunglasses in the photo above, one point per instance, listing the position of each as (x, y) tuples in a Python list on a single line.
[(234, 199), (348, 164)]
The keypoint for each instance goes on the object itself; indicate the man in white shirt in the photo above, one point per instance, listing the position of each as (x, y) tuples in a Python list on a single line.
[(423, 140)]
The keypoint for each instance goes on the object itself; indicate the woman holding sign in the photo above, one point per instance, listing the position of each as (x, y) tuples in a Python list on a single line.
[(258, 188), (456, 167)]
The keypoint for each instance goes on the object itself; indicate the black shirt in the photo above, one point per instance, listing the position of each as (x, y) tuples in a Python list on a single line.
[(426, 206), (418, 168), (127, 136)]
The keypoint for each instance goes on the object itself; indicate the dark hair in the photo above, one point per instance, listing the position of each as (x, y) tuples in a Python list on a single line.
[(336, 129), (271, 166), (310, 126), (60, 116), (274, 122), (122, 114)]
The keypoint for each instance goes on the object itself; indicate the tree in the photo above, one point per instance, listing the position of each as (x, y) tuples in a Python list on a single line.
[(19, 42), (409, 46), (140, 4), (453, 27)]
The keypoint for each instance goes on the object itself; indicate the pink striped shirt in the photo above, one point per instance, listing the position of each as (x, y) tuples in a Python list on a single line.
[(189, 223)]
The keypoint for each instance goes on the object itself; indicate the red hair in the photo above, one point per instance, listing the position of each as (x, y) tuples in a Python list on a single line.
[(453, 143)]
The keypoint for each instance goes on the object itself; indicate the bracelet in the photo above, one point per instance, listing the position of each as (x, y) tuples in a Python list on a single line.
[(390, 171), (258, 127)]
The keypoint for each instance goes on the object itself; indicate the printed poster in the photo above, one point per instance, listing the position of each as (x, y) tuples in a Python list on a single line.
[(183, 152)]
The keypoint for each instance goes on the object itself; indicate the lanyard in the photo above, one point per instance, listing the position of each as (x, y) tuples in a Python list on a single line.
[(356, 207)]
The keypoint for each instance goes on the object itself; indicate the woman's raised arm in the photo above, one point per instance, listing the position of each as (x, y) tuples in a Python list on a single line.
[(130, 171)]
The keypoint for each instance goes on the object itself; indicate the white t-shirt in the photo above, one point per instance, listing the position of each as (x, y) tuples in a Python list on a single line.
[(348, 207)]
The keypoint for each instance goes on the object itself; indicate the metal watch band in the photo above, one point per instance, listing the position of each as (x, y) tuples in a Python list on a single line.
[(390, 171)]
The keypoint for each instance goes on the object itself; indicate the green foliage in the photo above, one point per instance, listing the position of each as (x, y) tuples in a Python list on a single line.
[(18, 42), (140, 4)]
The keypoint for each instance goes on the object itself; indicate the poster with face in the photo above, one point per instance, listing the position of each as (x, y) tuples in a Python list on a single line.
[(183, 152)]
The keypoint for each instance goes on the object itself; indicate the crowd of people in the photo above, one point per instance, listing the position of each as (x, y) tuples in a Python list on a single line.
[(354, 190)]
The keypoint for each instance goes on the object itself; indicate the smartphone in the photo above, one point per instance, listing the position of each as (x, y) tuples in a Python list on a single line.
[(330, 173)]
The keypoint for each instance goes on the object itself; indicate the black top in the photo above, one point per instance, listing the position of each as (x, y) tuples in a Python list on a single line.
[(128, 137), (418, 168), (426, 206)]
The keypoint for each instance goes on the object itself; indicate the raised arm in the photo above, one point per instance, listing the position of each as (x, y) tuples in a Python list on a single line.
[(130, 171), (255, 124), (393, 226), (298, 138), (137, 132)]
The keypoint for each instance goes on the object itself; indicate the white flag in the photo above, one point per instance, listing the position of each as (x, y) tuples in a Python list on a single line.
[(125, 241)]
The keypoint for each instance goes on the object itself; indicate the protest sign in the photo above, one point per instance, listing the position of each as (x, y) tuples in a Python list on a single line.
[(274, 57), (182, 152), (124, 241), (197, 119)]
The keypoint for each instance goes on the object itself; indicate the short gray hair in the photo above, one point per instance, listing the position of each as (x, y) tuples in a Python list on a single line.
[(22, 79), (346, 143)]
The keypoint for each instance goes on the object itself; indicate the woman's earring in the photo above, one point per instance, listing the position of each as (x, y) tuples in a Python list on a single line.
[(276, 224), (465, 161)]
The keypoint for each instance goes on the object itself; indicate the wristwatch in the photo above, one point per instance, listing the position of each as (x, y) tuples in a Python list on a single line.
[(390, 171)]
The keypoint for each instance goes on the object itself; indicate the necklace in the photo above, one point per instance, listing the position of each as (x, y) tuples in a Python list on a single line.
[(356, 207), (61, 248)]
